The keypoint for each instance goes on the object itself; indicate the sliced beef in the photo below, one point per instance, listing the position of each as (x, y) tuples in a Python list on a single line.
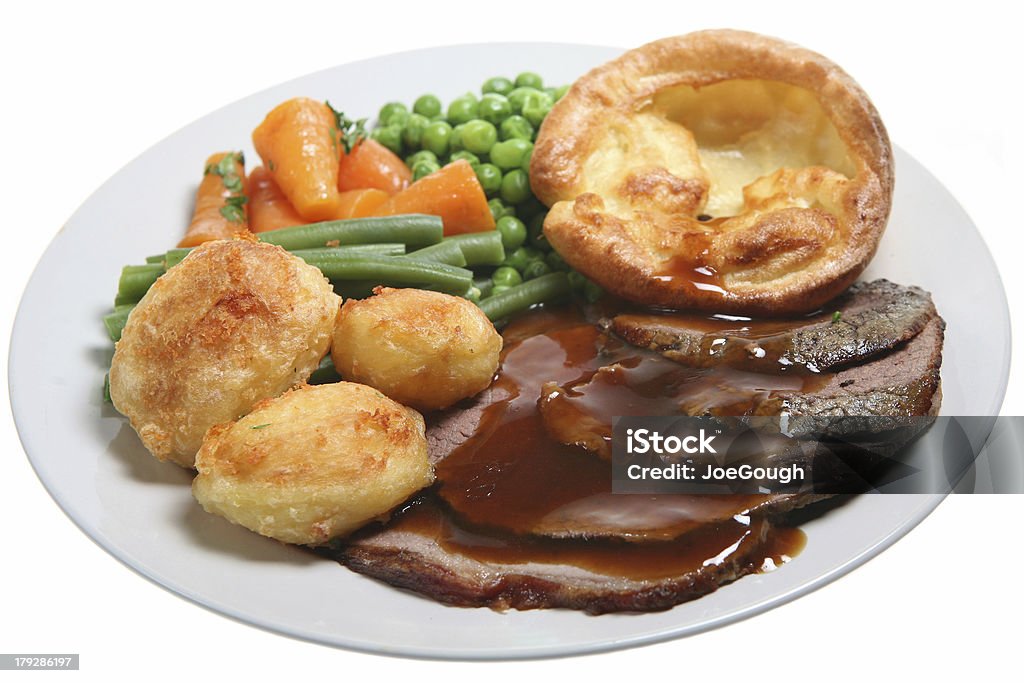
[(416, 552), (450, 428), (870, 319), (889, 394)]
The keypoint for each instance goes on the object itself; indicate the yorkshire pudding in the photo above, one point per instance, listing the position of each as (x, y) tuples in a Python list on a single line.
[(719, 170)]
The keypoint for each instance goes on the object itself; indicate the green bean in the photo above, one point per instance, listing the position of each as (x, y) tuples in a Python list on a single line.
[(394, 271), (135, 282), (445, 251), (380, 249), (412, 230), (480, 248), (543, 289), (485, 285), (115, 321), (156, 258), (175, 256)]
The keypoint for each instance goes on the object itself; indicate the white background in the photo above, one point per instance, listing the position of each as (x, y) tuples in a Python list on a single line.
[(88, 86)]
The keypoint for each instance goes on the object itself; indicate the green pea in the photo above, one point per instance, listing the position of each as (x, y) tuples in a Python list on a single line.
[(499, 209), (489, 176), (515, 186), (479, 136), (462, 109), (506, 276), (513, 232), (535, 269), (517, 98), (473, 294), (388, 110), (494, 108), (427, 105), (455, 141), (436, 137), (556, 262), (498, 84), (559, 92), (521, 257), (398, 117), (516, 127), (576, 280), (592, 291), (535, 230), (508, 154), (525, 165), (498, 289), (473, 159), (528, 79), (390, 137), (413, 131), (423, 154), (536, 107), (424, 168)]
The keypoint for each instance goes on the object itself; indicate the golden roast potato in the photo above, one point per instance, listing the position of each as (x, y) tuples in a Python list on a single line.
[(237, 321), (423, 349), (313, 464), (719, 170)]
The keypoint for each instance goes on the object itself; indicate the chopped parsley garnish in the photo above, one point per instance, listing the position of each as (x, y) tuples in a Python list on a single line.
[(260, 426), (351, 132), (836, 316), (233, 208)]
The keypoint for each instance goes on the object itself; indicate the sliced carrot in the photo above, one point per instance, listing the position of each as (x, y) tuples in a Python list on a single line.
[(269, 209), (453, 193), (220, 201), (298, 142), (371, 164), (360, 203)]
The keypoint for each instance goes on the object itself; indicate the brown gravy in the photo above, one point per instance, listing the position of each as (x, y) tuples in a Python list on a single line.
[(744, 540)]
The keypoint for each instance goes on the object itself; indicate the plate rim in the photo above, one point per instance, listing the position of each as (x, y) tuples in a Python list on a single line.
[(532, 652)]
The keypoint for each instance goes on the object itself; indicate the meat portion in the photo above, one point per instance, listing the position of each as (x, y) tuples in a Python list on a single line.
[(425, 551), (873, 397), (522, 516), (891, 392), (870, 319)]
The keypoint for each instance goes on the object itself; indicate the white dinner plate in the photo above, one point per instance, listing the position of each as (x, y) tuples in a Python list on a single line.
[(142, 511)]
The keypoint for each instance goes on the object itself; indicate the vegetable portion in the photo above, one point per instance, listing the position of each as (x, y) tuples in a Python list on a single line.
[(453, 193), (414, 231), (220, 201), (360, 203), (299, 144), (435, 197), (372, 165), (269, 208)]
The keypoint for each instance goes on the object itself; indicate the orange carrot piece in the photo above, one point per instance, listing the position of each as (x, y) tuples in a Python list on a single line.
[(299, 143), (371, 164), (360, 203), (269, 209), (219, 213), (453, 193)]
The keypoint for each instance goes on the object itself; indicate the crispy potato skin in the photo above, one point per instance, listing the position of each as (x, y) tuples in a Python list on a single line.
[(423, 349), (626, 181), (234, 323), (313, 464)]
